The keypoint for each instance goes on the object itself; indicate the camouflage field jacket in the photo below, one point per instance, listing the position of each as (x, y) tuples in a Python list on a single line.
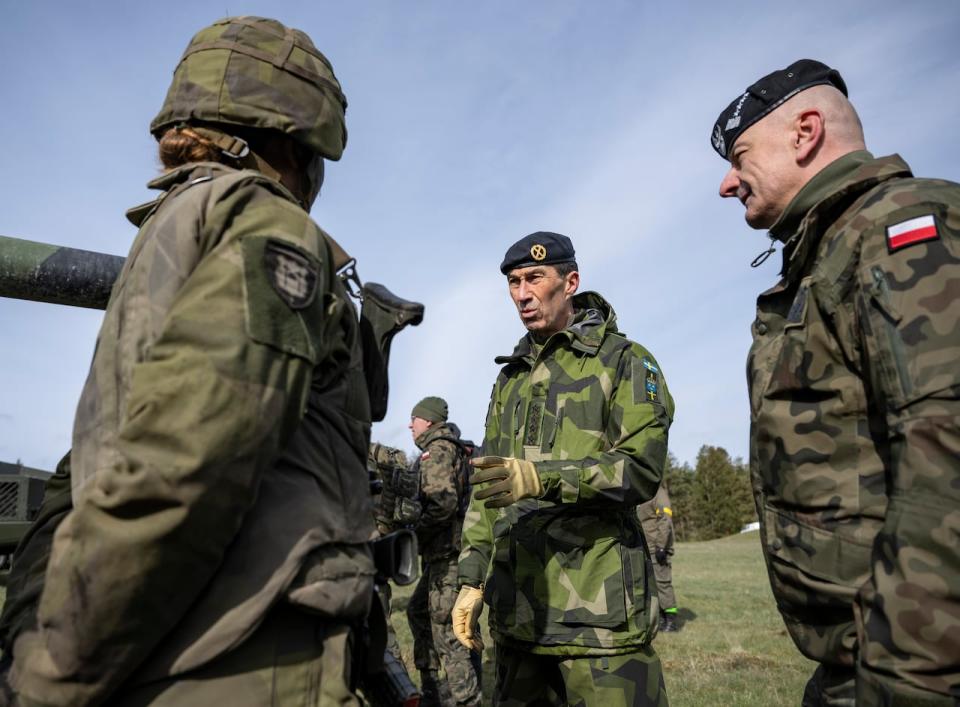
[(440, 525), (568, 573), (219, 446), (854, 379)]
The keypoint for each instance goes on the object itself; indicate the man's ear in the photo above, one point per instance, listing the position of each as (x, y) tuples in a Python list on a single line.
[(808, 134), (571, 283)]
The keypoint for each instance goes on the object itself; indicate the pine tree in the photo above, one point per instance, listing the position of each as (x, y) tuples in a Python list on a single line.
[(679, 481), (721, 497)]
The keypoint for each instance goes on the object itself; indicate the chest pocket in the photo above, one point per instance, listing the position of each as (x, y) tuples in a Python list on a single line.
[(789, 363)]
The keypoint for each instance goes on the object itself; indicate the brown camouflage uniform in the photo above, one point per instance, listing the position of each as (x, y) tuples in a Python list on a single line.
[(656, 518), (855, 444), (438, 536)]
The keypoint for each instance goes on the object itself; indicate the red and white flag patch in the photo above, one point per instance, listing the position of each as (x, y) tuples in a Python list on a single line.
[(915, 230)]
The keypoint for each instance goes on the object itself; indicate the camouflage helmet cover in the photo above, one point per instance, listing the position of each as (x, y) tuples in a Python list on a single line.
[(257, 73)]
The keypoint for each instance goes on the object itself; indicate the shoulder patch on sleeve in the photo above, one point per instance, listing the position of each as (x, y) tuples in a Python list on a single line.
[(914, 230), (292, 272), (646, 380), (424, 456), (283, 289)]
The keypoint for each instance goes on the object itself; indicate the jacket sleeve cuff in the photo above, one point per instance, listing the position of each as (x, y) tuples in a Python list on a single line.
[(470, 573), (561, 481)]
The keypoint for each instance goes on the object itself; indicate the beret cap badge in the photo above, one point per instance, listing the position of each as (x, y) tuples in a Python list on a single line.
[(766, 95), (540, 248)]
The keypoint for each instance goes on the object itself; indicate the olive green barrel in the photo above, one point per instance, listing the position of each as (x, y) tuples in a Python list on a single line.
[(54, 274)]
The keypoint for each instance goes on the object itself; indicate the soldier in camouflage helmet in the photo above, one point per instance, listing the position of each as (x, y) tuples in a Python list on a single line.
[(855, 392), (218, 547), (576, 437), (438, 528)]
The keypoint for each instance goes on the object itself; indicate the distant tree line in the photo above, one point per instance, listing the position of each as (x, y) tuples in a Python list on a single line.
[(711, 500)]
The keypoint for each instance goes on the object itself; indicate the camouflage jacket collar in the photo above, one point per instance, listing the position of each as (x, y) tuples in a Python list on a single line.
[(166, 182), (433, 433), (184, 177), (824, 197), (593, 319)]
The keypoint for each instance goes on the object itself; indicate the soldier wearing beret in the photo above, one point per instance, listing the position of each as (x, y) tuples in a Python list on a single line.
[(217, 550), (576, 437), (854, 391), (441, 498)]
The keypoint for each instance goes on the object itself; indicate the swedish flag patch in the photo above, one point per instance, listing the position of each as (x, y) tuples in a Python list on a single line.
[(646, 381), (651, 381)]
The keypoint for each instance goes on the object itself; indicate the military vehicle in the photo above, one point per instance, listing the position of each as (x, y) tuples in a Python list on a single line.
[(41, 272), (21, 493)]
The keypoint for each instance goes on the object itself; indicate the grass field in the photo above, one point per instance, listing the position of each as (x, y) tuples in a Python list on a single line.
[(732, 648)]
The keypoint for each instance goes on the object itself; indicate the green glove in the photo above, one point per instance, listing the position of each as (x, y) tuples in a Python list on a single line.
[(512, 480)]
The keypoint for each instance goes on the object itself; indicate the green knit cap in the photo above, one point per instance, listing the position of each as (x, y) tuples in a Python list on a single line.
[(431, 408)]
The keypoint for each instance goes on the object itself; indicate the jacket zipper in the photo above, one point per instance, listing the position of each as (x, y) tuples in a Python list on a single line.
[(881, 296), (558, 421)]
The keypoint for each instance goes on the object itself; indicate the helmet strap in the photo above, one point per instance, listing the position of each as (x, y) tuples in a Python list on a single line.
[(237, 149)]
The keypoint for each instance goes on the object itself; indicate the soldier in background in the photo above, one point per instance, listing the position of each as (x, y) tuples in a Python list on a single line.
[(385, 462), (442, 502), (656, 517), (218, 547), (854, 391), (578, 419)]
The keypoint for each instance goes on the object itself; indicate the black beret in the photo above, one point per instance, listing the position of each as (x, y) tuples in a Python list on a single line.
[(768, 94), (540, 248)]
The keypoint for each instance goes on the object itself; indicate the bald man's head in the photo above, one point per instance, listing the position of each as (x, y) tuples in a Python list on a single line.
[(776, 156), (842, 129)]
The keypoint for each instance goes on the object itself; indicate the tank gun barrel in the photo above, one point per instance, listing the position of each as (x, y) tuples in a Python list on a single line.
[(47, 273)]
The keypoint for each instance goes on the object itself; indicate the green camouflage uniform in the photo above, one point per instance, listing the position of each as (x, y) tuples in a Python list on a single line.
[(219, 487), (656, 518), (438, 537), (855, 445), (567, 575)]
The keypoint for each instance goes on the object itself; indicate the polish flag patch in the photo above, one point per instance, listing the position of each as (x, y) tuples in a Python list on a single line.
[(915, 230), (424, 456)]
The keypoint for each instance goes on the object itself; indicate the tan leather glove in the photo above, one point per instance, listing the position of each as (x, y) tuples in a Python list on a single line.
[(466, 616), (512, 480)]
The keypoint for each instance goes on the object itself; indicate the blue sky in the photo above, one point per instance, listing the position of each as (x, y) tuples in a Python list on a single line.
[(471, 125)]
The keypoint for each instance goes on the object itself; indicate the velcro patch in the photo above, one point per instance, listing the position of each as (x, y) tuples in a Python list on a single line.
[(650, 381), (914, 230), (292, 274), (799, 306)]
